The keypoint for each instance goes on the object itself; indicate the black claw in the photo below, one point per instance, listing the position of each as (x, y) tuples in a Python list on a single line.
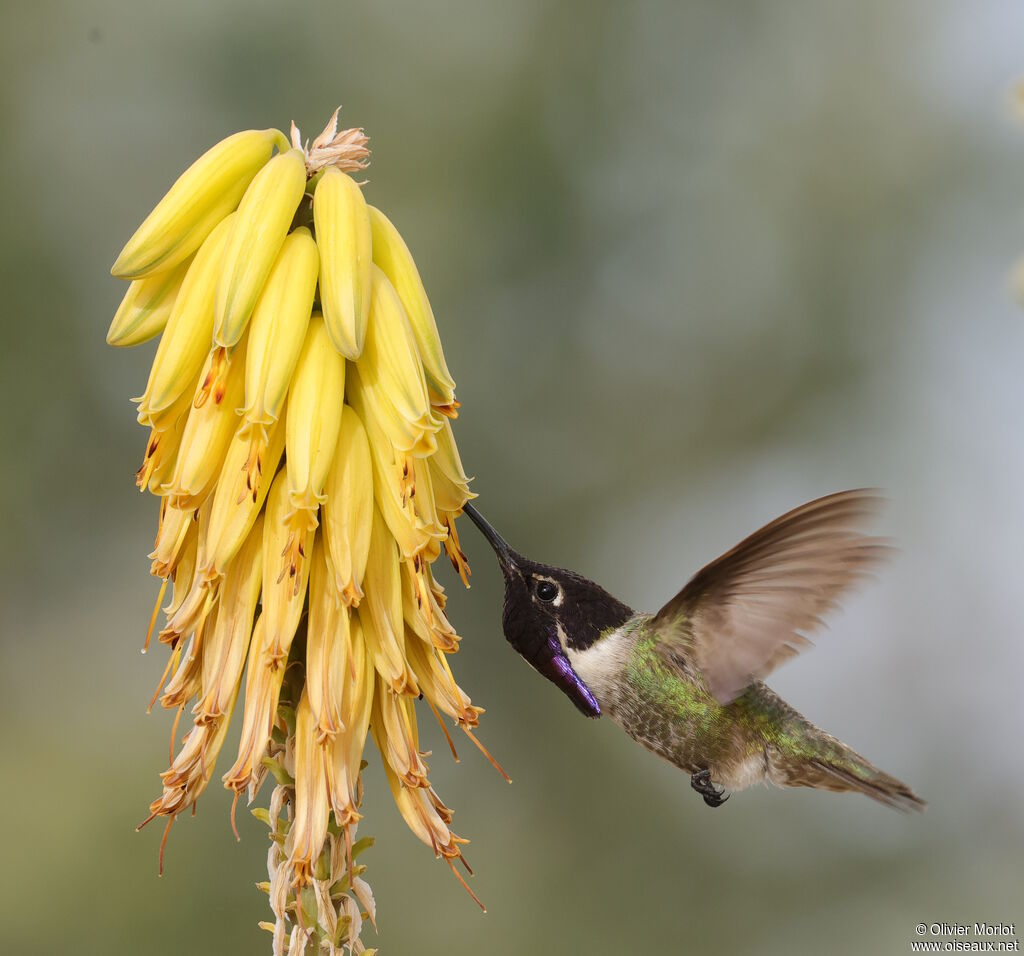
[(701, 782)]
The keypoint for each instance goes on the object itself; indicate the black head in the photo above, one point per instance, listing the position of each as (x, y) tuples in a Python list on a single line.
[(549, 610)]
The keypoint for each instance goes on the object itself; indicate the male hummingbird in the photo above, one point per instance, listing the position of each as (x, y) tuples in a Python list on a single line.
[(686, 682)]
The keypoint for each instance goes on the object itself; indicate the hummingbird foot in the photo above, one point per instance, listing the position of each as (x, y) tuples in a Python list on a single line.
[(701, 782)]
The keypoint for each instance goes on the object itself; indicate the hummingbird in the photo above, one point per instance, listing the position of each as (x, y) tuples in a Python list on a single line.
[(685, 682)]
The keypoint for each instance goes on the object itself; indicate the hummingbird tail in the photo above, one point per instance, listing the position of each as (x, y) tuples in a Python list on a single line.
[(839, 768)]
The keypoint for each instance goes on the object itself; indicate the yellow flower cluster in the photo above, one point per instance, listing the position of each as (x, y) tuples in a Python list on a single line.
[(299, 408)]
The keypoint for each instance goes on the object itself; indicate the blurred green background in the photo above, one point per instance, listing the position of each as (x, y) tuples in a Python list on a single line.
[(693, 263)]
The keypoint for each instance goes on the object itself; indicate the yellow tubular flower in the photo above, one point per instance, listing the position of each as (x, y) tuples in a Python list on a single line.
[(393, 471), (191, 613), (393, 480), (380, 416), (191, 616), (260, 227), (429, 820), (449, 497), (170, 536), (183, 570), (167, 428), (278, 328), (186, 339), (451, 486), (381, 612), (146, 307), (193, 766), (284, 579), (394, 723), (185, 682), (438, 684), (211, 424), (453, 549), (343, 235), (347, 748), (239, 494), (448, 460), (391, 360), (419, 814), (225, 652), (262, 690), (411, 536), (312, 806), (315, 403), (392, 255), (327, 647), (202, 196), (348, 508), (424, 617), (421, 494)]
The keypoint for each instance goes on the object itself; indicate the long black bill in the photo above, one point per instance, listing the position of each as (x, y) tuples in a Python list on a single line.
[(506, 556)]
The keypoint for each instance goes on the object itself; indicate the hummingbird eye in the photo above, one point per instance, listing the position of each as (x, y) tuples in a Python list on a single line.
[(547, 591)]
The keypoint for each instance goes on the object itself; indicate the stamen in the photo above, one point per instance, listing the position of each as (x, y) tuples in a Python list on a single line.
[(163, 843), (148, 819), (153, 616), (455, 553), (444, 730), (234, 825), (293, 553), (450, 410), (174, 731), (215, 383), (410, 737), (172, 663), (352, 594), (407, 482), (348, 852), (494, 763), (145, 472), (299, 916), (253, 466), (415, 568), (465, 885)]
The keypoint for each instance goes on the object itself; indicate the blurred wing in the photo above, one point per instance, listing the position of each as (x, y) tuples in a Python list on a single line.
[(742, 615)]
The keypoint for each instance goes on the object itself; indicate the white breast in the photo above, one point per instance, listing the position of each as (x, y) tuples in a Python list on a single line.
[(601, 664)]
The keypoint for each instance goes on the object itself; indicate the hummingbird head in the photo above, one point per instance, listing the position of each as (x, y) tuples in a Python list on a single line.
[(550, 610)]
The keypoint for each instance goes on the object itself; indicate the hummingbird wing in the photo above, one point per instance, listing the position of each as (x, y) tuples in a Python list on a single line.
[(743, 614)]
